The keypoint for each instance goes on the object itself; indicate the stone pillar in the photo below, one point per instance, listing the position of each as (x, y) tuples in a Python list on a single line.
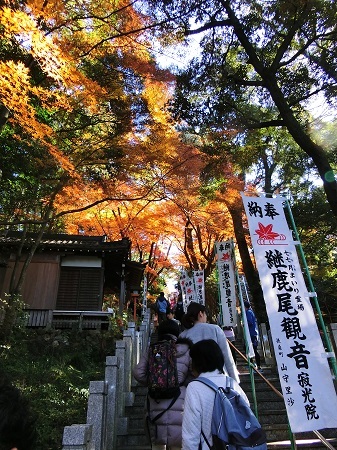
[(128, 338), (78, 437), (111, 378), (133, 333), (122, 424), (120, 353), (96, 413)]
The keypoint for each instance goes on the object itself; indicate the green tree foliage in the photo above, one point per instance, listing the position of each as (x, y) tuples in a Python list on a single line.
[(53, 369), (261, 64), (318, 237)]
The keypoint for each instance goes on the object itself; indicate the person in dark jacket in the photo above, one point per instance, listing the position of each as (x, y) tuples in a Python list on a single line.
[(17, 424), (179, 309), (167, 430), (254, 332), (162, 305)]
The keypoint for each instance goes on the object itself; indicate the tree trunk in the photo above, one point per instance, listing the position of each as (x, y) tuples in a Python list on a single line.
[(189, 248), (249, 270), (294, 127), (235, 207)]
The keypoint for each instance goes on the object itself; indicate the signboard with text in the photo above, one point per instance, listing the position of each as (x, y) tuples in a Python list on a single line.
[(199, 286), (304, 371), (187, 288), (226, 274)]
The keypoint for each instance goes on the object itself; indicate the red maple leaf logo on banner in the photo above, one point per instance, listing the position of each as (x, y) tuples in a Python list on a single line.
[(225, 257), (267, 235), (266, 232)]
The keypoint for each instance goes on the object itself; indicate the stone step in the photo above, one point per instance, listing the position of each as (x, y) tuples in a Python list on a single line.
[(137, 422), (272, 417), (122, 446), (305, 444), (135, 437), (134, 447), (265, 396), (134, 411), (140, 400)]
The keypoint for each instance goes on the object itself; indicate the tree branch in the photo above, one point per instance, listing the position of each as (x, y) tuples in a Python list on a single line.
[(209, 26)]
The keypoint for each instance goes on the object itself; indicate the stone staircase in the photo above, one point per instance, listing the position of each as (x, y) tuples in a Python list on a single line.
[(271, 414), (136, 438)]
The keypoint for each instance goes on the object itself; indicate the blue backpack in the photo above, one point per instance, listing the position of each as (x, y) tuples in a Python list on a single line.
[(234, 425)]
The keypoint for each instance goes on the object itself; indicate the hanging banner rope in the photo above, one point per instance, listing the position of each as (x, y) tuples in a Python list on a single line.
[(305, 375)]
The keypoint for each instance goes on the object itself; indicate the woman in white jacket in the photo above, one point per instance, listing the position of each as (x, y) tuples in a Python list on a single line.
[(196, 329), (207, 361)]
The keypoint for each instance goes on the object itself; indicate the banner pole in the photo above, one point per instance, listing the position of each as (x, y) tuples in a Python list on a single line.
[(312, 289), (245, 335)]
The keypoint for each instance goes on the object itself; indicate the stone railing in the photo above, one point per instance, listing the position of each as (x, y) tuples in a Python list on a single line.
[(108, 398)]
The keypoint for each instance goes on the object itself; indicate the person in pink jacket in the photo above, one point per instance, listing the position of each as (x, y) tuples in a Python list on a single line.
[(166, 433)]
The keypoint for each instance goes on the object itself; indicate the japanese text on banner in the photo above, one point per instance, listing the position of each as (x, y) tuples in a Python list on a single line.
[(226, 274), (305, 374)]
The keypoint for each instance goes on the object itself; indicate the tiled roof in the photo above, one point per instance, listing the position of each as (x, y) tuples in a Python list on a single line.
[(65, 241)]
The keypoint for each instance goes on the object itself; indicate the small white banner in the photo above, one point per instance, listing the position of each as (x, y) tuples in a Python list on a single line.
[(226, 274), (304, 371), (187, 287), (199, 286)]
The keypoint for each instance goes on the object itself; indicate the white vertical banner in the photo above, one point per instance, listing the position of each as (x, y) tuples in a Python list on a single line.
[(304, 371), (187, 287), (199, 285), (226, 273)]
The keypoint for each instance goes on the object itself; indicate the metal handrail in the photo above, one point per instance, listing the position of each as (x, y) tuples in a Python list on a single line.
[(277, 392)]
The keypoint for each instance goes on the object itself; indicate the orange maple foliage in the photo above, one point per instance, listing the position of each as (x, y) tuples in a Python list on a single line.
[(154, 198), (59, 37)]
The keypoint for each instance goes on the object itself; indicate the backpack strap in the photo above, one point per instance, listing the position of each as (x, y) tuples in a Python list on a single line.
[(209, 383), (158, 416), (215, 388), (205, 439)]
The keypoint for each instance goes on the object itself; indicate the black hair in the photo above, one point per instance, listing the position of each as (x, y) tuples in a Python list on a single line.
[(247, 304), (192, 313), (206, 356), (17, 424), (168, 327)]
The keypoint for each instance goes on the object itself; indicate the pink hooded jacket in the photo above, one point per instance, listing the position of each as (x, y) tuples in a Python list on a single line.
[(167, 430)]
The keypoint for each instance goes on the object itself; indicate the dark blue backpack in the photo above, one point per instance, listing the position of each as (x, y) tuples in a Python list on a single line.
[(234, 425)]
